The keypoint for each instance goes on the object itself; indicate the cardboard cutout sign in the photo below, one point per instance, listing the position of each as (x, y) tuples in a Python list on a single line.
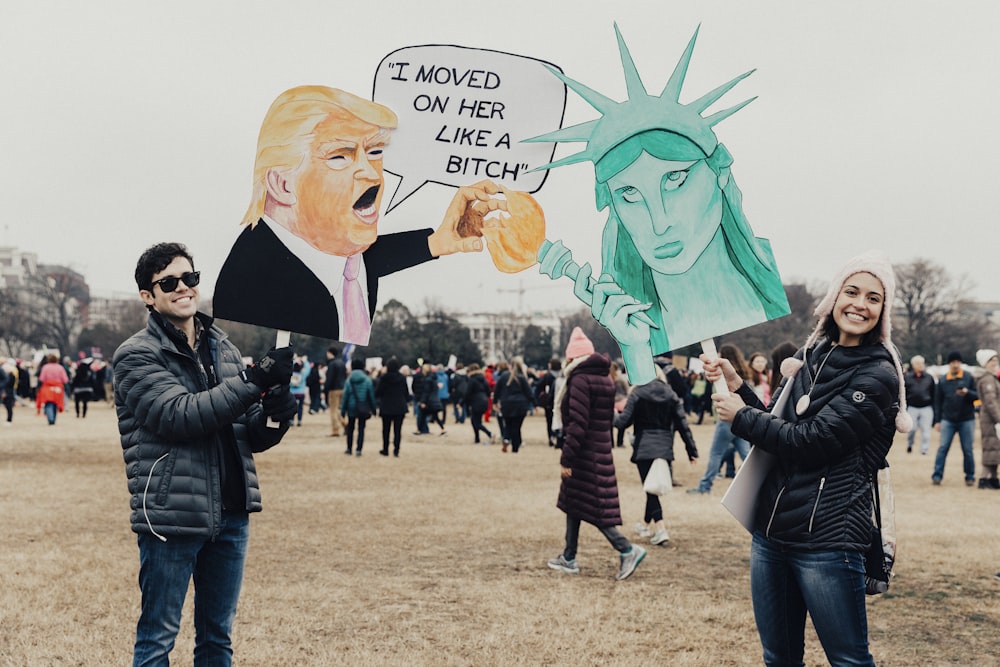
[(680, 262), (310, 255)]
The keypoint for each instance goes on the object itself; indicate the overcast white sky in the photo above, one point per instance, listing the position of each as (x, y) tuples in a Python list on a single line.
[(127, 123)]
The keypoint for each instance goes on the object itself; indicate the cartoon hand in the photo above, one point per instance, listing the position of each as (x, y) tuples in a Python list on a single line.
[(461, 229), (612, 307)]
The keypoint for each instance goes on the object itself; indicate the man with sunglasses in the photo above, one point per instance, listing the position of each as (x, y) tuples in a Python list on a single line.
[(190, 417)]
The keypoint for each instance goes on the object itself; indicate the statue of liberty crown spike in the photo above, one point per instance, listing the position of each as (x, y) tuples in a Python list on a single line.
[(642, 111)]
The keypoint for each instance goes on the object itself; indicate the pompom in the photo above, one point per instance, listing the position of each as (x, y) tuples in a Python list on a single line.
[(790, 366), (904, 422)]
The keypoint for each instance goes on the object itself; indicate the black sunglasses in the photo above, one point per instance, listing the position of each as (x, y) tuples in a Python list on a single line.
[(169, 284)]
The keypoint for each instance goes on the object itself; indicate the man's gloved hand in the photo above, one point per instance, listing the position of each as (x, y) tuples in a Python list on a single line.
[(274, 368), (279, 404)]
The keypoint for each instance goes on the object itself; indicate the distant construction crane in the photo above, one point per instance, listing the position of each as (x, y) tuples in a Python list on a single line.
[(521, 289)]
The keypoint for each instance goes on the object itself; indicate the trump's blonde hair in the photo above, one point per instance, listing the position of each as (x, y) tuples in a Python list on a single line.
[(287, 132)]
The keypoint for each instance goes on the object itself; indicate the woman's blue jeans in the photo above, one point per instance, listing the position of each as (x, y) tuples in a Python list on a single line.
[(166, 569), (722, 439), (51, 410), (830, 585)]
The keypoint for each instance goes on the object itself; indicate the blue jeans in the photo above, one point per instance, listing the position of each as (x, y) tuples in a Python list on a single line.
[(51, 410), (922, 421), (722, 440), (830, 585), (459, 410), (966, 431), (166, 569), (420, 416)]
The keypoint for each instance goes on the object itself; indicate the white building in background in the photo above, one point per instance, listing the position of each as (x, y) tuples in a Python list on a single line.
[(499, 335), (16, 266), (107, 309)]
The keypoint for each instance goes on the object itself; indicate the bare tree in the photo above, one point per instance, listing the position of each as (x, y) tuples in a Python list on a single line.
[(14, 323), (54, 309), (932, 317)]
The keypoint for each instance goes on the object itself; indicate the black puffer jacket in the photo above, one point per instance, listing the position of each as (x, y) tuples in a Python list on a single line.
[(656, 412), (477, 392), (818, 496), (171, 422)]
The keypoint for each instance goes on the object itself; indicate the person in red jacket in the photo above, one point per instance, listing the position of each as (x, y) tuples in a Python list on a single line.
[(52, 380), (589, 489)]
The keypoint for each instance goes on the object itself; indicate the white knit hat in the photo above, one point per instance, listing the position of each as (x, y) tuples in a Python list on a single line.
[(878, 265), (983, 356)]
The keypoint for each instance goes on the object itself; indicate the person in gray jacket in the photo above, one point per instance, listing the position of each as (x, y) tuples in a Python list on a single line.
[(656, 412), (190, 417)]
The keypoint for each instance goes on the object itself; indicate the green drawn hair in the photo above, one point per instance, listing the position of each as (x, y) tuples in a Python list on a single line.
[(620, 258)]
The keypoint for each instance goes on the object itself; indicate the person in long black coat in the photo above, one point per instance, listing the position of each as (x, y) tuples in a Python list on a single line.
[(477, 400), (589, 489), (393, 396)]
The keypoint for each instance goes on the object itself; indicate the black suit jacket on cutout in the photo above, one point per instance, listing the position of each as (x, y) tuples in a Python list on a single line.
[(263, 283)]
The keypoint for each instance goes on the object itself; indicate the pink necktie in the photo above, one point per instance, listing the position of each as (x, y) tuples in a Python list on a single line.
[(356, 323)]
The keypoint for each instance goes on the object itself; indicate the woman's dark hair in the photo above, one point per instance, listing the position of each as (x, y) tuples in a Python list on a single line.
[(357, 364), (155, 259), (778, 354), (735, 357), (392, 364)]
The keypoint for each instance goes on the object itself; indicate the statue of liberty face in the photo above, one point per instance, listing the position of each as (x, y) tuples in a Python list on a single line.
[(671, 209)]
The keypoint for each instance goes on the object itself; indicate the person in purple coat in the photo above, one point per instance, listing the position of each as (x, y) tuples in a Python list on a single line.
[(589, 489)]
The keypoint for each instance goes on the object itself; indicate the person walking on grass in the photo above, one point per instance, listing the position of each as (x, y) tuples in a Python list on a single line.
[(955, 413), (655, 412), (477, 399), (393, 396), (429, 401), (988, 386), (589, 488), (513, 395), (357, 404), (51, 396)]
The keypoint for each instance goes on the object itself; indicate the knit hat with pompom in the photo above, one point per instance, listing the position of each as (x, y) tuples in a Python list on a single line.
[(878, 265)]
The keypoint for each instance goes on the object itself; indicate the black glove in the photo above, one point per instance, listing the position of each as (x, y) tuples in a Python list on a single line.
[(274, 368), (279, 404)]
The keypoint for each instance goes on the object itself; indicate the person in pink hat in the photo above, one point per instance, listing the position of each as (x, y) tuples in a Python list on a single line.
[(829, 438), (585, 405)]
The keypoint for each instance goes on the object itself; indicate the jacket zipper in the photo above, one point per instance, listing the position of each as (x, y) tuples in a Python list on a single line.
[(774, 510), (822, 483)]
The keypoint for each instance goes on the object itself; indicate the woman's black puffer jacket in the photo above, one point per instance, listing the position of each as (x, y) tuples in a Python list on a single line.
[(818, 496)]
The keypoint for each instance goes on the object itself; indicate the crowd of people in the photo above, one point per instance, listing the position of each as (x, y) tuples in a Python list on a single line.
[(50, 382), (825, 412)]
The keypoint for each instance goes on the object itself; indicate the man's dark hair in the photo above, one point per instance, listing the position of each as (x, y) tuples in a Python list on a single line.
[(155, 259), (334, 350), (392, 364), (358, 365)]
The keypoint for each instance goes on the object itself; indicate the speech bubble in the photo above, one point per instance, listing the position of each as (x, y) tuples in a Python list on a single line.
[(463, 113)]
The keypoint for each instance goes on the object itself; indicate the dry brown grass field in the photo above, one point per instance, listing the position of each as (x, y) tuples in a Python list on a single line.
[(438, 558)]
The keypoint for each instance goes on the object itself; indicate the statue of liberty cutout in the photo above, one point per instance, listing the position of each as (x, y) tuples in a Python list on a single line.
[(680, 263)]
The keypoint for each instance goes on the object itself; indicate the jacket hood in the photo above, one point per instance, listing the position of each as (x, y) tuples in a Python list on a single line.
[(655, 391)]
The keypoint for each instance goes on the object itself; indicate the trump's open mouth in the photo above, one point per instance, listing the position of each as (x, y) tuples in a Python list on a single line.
[(365, 207)]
